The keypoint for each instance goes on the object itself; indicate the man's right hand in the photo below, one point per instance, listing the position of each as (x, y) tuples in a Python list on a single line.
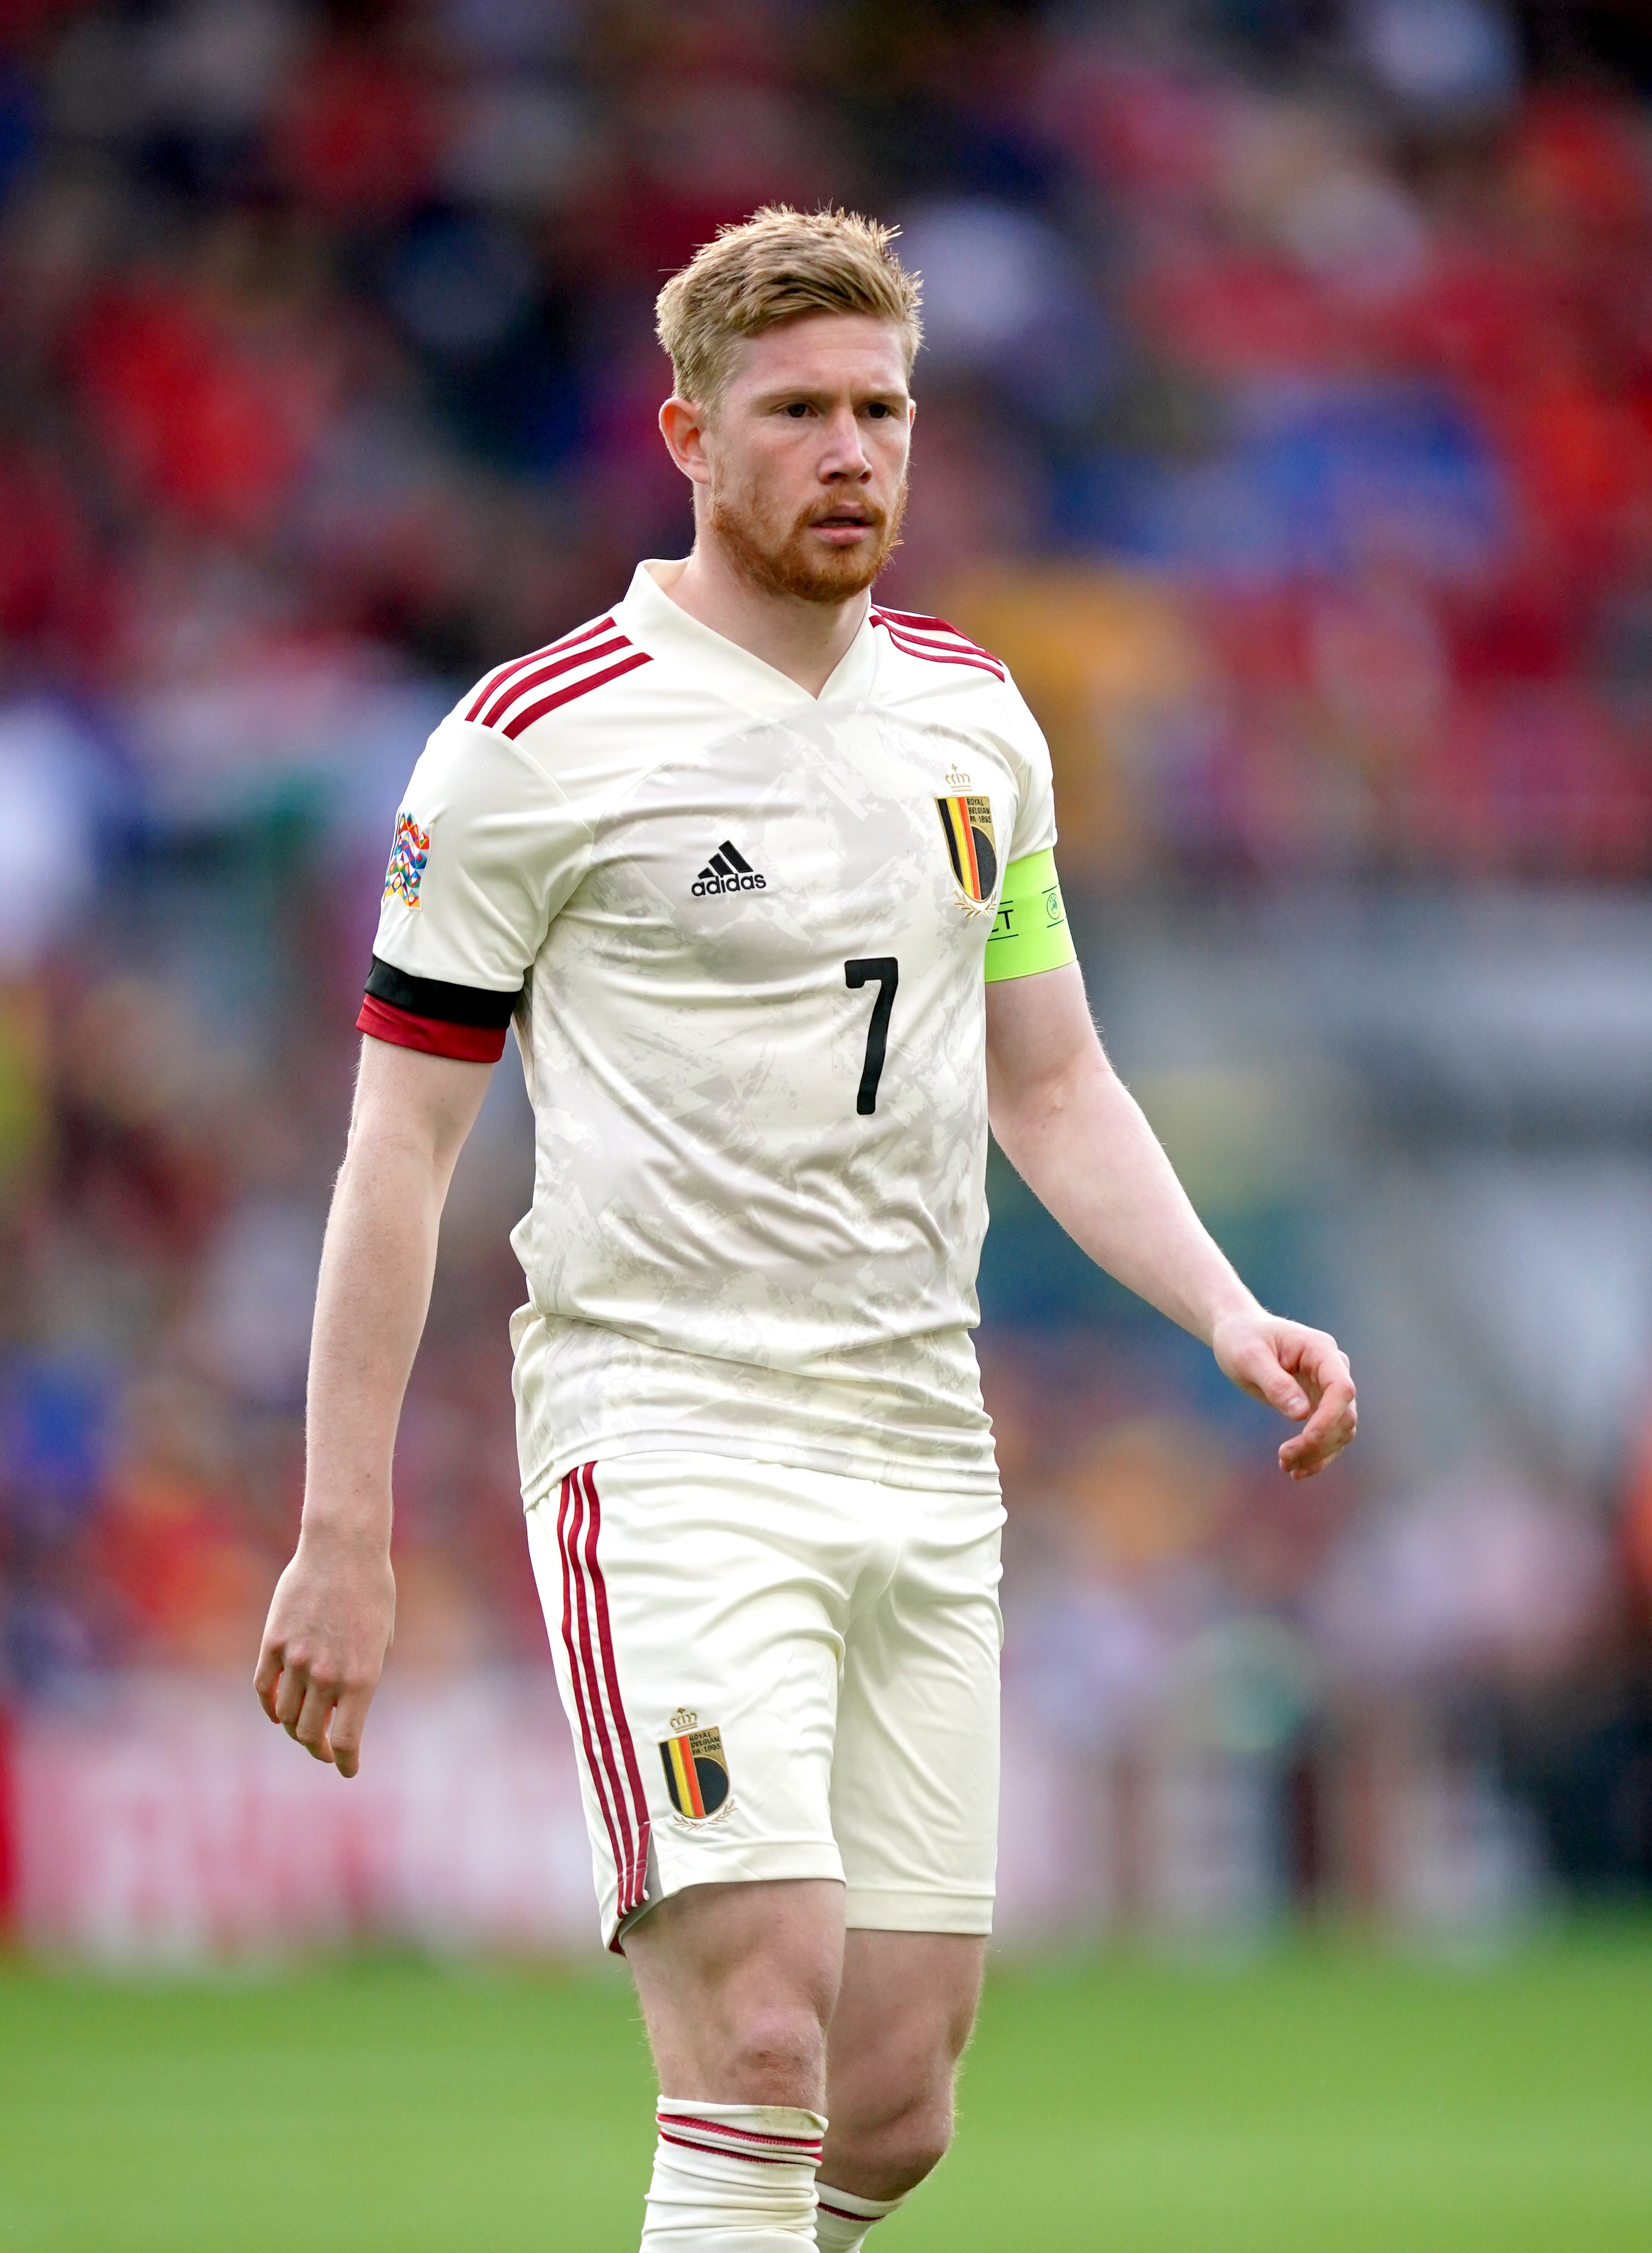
[(330, 1625)]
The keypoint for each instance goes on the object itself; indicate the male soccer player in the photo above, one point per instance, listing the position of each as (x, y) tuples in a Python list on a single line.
[(763, 877)]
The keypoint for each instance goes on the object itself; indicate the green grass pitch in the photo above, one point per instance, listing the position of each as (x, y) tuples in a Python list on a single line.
[(1320, 2099)]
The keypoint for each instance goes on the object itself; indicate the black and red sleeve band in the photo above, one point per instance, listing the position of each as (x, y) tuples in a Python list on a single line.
[(466, 1022)]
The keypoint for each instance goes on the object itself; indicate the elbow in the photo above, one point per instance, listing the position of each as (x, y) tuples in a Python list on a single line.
[(1027, 1111)]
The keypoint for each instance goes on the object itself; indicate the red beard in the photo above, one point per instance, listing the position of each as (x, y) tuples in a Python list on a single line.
[(794, 565)]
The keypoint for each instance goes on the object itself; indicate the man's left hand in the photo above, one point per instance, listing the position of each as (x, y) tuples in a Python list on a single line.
[(1301, 1372)]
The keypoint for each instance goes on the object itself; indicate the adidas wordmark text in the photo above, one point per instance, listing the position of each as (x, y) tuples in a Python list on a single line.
[(728, 870)]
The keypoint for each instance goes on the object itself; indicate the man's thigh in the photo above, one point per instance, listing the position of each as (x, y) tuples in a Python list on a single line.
[(737, 1984)]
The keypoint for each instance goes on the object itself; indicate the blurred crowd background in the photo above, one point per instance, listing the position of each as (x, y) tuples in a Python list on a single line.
[(1285, 421)]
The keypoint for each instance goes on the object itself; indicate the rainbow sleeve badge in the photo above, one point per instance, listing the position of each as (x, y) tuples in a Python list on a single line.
[(408, 854)]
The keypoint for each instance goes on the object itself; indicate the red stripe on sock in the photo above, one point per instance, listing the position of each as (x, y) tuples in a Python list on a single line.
[(746, 2135), (717, 2152)]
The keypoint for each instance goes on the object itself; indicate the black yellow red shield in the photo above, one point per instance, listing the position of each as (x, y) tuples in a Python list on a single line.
[(696, 1772), (971, 846)]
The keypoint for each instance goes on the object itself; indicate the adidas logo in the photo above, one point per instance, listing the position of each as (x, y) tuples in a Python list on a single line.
[(728, 870)]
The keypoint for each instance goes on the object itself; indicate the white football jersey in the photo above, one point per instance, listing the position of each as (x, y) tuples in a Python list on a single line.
[(741, 930)]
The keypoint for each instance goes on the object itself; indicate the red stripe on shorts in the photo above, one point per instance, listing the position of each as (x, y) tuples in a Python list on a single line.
[(616, 1706), (625, 1858), (570, 1511)]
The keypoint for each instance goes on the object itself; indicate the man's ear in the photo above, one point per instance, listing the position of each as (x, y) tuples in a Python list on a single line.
[(682, 425)]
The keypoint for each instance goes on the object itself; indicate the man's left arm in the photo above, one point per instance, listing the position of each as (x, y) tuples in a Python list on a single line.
[(1078, 1137)]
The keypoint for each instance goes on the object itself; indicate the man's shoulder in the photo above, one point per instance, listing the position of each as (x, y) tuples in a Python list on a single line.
[(931, 663), (525, 691)]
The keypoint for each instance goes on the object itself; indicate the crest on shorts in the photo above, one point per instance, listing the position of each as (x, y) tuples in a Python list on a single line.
[(971, 845), (407, 856), (696, 1767)]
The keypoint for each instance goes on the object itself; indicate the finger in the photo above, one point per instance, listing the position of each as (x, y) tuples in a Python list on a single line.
[(1313, 1356), (1265, 1375), (266, 1675), (1322, 1447), (1307, 1466), (289, 1694), (349, 1719), (310, 1728), (1333, 1409), (1323, 1439)]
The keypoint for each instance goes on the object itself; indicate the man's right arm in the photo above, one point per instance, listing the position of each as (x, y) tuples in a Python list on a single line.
[(334, 1607)]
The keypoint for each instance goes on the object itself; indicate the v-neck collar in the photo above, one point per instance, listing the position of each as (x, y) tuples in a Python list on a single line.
[(662, 627)]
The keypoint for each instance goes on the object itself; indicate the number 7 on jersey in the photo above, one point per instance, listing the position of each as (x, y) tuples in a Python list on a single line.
[(885, 972)]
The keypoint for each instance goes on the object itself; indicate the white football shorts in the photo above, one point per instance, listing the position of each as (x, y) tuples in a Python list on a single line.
[(778, 1673)]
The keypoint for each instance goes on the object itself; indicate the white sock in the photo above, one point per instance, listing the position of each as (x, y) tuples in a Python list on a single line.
[(732, 2179), (841, 2220)]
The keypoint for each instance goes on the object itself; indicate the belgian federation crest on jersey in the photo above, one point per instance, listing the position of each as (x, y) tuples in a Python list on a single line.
[(972, 845), (696, 1768), (407, 857)]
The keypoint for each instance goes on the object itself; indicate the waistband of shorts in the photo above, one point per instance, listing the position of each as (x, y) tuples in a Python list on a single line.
[(832, 1463)]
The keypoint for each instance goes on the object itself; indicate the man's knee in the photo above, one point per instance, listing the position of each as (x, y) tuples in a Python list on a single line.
[(773, 2054), (737, 1984), (916, 2140), (885, 2146)]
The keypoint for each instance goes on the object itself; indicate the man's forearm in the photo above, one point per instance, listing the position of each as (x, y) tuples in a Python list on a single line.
[(370, 1302), (1083, 1146), (333, 1611)]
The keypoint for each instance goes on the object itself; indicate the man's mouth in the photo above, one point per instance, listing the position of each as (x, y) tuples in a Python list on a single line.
[(844, 521)]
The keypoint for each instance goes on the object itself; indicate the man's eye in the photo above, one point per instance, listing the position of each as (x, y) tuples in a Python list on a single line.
[(878, 407), (797, 409)]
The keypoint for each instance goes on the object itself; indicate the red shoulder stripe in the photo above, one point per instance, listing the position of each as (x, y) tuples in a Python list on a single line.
[(501, 673), (520, 687), (576, 688), (934, 639), (927, 629), (982, 664), (916, 619)]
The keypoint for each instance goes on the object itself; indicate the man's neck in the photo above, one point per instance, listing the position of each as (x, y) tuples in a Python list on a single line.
[(806, 641)]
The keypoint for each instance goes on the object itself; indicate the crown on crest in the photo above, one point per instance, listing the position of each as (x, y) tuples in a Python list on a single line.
[(684, 1718)]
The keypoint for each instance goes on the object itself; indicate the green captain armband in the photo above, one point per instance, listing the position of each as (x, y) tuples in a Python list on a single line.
[(1029, 933)]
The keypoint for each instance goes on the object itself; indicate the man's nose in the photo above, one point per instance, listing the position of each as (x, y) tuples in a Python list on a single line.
[(843, 456)]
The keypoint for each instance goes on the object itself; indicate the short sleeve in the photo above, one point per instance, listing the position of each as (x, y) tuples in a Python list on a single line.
[(485, 851), (1036, 809)]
